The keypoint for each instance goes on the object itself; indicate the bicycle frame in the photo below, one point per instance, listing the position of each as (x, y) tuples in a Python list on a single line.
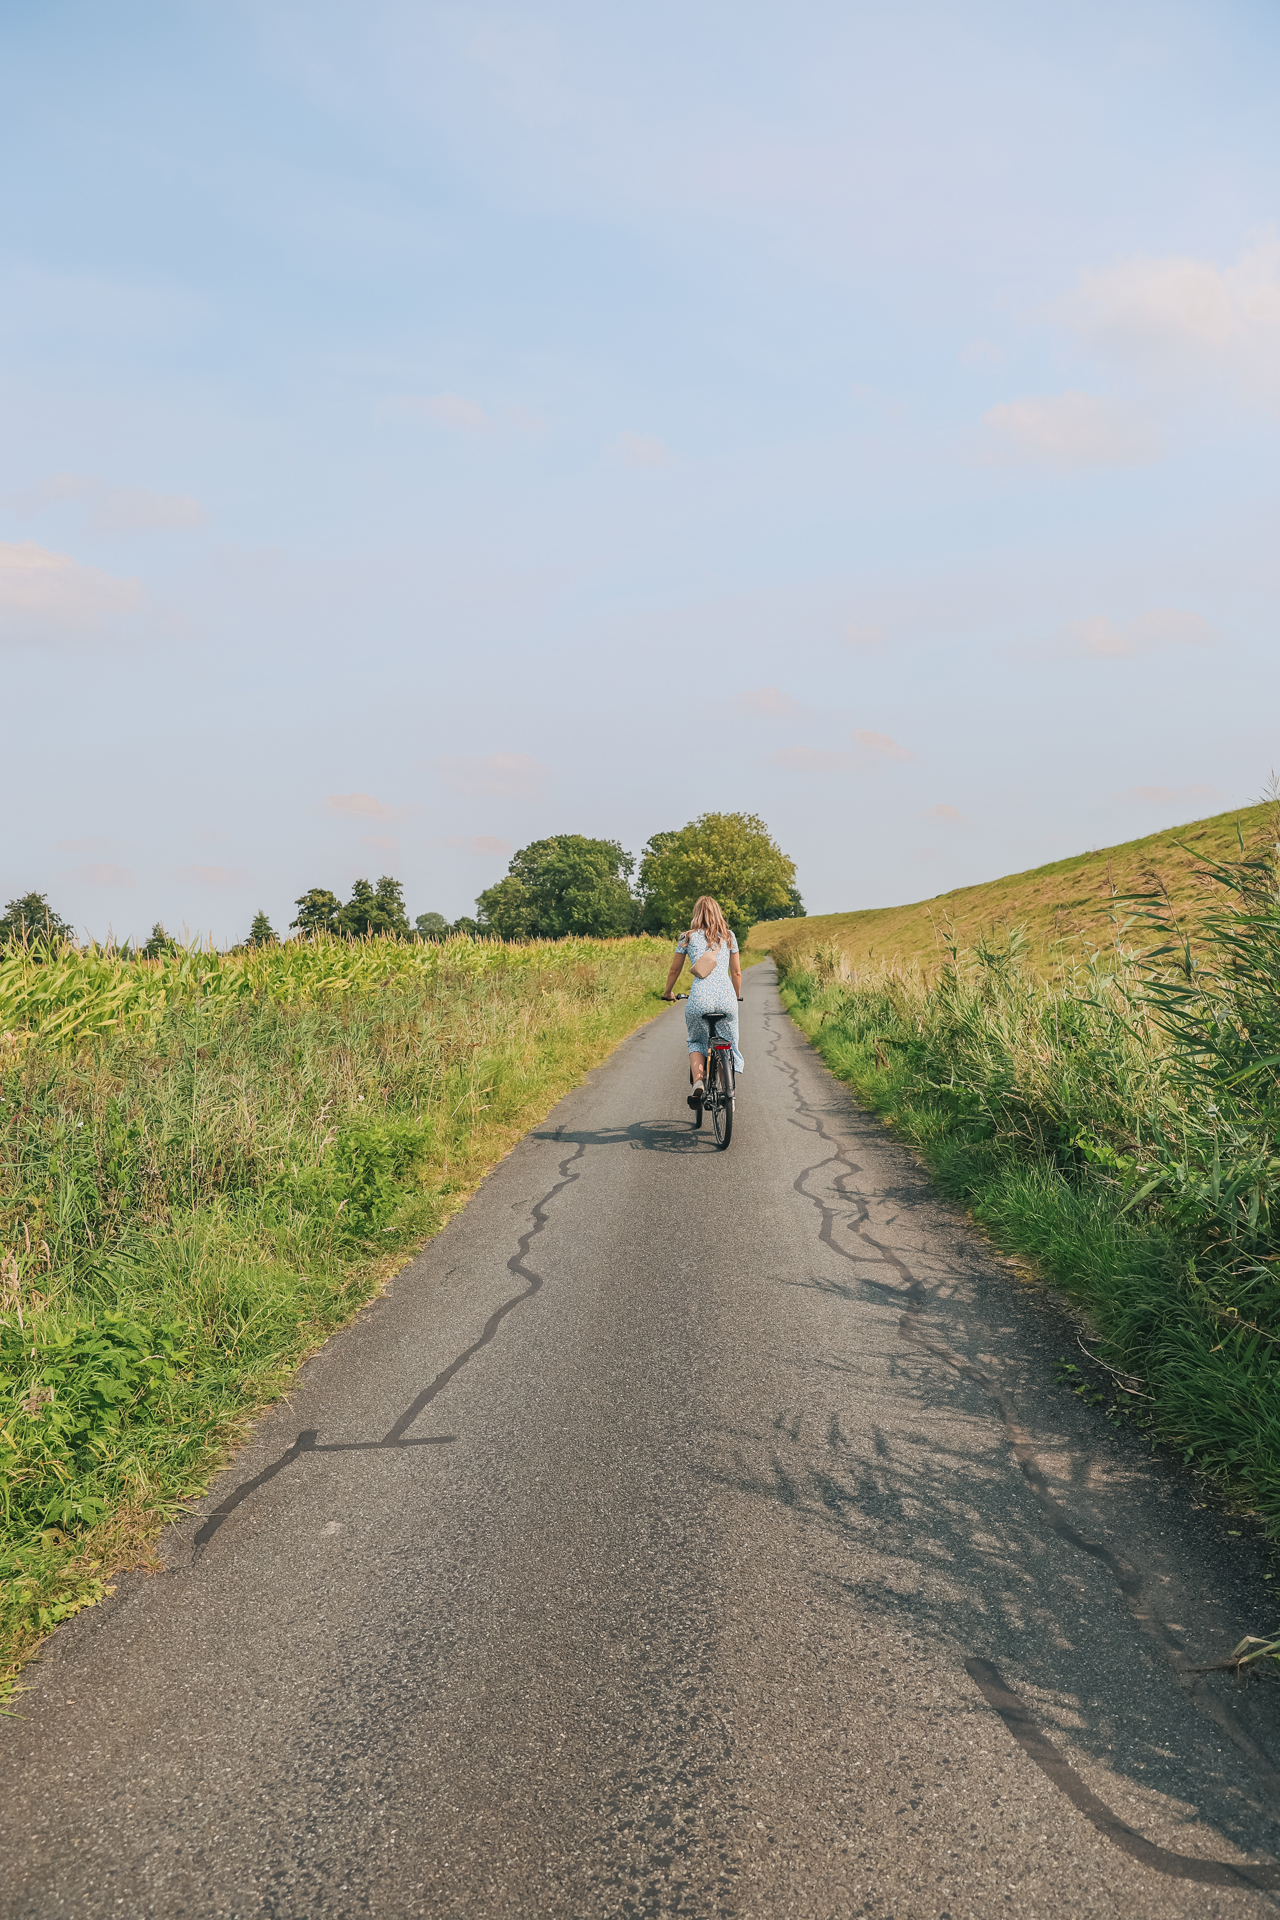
[(719, 1090)]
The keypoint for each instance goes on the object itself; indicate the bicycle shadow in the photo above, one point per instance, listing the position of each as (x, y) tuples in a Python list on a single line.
[(645, 1136)]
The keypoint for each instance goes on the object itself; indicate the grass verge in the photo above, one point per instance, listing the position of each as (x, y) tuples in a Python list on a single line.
[(1116, 1126), (209, 1164)]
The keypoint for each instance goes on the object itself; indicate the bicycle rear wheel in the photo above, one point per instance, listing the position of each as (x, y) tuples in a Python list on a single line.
[(720, 1087)]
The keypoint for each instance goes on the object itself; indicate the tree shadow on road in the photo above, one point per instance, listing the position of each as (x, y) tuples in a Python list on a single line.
[(924, 1529)]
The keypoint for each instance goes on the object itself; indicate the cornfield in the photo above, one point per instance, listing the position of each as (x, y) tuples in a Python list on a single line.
[(207, 1162), (82, 995)]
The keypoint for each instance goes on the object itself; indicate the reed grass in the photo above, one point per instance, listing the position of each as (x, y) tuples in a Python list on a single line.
[(1118, 1124), (209, 1162)]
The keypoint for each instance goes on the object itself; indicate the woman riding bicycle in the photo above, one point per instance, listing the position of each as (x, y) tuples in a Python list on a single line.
[(712, 952)]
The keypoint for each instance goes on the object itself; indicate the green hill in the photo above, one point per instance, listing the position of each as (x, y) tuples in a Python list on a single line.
[(1069, 902)]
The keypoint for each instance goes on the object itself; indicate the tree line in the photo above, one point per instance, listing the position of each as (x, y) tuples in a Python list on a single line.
[(566, 884)]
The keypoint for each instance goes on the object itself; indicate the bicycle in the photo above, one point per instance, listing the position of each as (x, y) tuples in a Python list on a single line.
[(719, 1094)]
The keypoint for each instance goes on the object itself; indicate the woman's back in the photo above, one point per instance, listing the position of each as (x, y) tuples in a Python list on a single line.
[(714, 992)]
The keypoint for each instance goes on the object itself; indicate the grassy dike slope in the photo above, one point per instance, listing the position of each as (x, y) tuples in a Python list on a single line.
[(1114, 1120), (1068, 901), (209, 1162)]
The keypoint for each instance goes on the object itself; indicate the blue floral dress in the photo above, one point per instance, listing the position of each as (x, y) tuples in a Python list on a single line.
[(715, 994)]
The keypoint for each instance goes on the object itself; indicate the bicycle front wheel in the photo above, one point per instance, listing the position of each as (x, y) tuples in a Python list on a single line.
[(720, 1086)]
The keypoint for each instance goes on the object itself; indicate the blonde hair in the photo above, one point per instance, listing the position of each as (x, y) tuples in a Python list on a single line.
[(707, 918)]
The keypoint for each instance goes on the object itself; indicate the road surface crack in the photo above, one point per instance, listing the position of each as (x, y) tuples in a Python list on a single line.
[(398, 1436), (1128, 1579)]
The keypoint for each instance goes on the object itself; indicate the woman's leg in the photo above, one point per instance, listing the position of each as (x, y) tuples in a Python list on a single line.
[(696, 1028), (733, 1036)]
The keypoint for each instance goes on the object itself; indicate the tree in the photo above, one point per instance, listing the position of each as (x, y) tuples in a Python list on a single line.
[(318, 911), (731, 856), (564, 885), (32, 923), (389, 895), (508, 909), (261, 933), (377, 909), (160, 945), (357, 917), (466, 925), (431, 926)]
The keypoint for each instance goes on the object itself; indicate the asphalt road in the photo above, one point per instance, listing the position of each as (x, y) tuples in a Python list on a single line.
[(685, 1533)]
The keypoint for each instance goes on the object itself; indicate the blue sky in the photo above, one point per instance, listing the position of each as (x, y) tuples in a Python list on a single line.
[(430, 427)]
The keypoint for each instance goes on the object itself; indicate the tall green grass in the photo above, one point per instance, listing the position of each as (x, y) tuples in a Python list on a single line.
[(1119, 1124), (208, 1163)]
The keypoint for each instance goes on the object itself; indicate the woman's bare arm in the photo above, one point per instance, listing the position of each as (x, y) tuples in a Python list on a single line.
[(677, 967), (735, 972)]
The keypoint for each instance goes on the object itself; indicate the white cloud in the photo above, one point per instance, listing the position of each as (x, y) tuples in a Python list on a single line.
[(1069, 430), (1181, 309), (487, 845), (981, 353), (879, 746), (136, 510), (104, 874), (1197, 795), (641, 450), (363, 805), (1101, 639), (813, 760), (869, 746), (449, 410), (47, 597), (771, 701), (952, 815), (500, 776), (855, 636), (110, 509), (212, 876)]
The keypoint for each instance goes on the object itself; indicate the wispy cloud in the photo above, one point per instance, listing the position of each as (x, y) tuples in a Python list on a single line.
[(1177, 309), (868, 748), (770, 701), (198, 876), (981, 353), (110, 509), (96, 843), (47, 598), (879, 746), (813, 760), (1099, 638), (952, 815), (363, 806), (380, 842), (135, 510), (641, 450), (102, 874), (486, 845), (450, 410), (1069, 430), (863, 636), (1196, 795), (500, 776)]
